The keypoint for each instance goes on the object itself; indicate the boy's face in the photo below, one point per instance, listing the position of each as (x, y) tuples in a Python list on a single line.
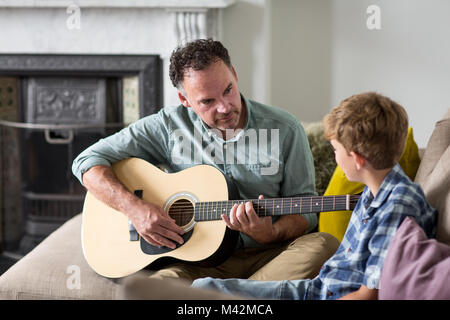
[(345, 160), (214, 96)]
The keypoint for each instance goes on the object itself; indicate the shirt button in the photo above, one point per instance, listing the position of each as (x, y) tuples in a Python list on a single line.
[(224, 146), (230, 176), (329, 293), (365, 221)]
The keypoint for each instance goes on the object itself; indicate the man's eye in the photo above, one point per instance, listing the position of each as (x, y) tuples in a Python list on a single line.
[(227, 90), (207, 102)]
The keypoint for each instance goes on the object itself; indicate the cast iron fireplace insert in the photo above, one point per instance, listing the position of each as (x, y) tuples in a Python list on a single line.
[(53, 107)]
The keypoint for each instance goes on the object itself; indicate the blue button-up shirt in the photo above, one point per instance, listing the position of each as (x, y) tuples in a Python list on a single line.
[(360, 257)]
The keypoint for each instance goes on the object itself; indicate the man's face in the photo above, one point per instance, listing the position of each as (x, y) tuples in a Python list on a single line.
[(214, 96)]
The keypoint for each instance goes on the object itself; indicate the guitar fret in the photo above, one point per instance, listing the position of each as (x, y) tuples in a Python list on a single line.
[(301, 209), (265, 208), (203, 211)]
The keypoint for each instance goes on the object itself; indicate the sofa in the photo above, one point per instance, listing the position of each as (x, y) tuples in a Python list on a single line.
[(56, 268)]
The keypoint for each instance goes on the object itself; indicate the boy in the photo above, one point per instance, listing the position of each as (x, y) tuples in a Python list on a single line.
[(367, 132)]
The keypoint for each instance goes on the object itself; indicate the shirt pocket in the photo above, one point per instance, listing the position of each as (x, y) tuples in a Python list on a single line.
[(252, 180)]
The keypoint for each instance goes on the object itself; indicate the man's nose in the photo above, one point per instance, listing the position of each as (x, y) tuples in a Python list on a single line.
[(223, 107)]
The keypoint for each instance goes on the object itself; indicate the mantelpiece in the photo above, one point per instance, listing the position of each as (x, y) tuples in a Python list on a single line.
[(109, 27)]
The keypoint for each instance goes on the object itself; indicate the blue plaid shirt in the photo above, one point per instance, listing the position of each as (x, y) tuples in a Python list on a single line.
[(360, 257)]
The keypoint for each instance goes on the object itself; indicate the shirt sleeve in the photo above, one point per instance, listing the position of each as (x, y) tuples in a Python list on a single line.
[(299, 172), (379, 243), (146, 138)]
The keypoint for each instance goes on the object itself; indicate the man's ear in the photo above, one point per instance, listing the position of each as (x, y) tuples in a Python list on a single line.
[(359, 160), (183, 100), (234, 73)]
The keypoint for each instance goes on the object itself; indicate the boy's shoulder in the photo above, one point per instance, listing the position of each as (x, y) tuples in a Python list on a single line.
[(397, 193), (404, 198), (401, 189)]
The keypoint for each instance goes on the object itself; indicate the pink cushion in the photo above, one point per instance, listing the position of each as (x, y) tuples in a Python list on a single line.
[(415, 267)]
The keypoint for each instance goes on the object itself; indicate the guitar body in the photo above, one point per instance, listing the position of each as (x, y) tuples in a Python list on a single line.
[(106, 235)]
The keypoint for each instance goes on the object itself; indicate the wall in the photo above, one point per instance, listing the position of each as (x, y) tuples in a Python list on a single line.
[(246, 33), (408, 59), (306, 55), (302, 55)]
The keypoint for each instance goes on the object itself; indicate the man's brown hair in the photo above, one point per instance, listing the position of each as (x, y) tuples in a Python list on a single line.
[(370, 125), (197, 55)]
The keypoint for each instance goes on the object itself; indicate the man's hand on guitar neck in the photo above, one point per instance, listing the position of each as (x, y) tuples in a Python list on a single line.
[(243, 218), (150, 221)]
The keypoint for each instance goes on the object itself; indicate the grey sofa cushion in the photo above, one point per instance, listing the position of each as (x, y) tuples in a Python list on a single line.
[(56, 269), (434, 175)]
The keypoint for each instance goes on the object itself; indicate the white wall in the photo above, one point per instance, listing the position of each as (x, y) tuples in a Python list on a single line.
[(246, 34), (302, 55), (407, 60), (307, 55)]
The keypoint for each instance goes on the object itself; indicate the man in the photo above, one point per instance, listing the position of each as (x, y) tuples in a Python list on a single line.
[(234, 134)]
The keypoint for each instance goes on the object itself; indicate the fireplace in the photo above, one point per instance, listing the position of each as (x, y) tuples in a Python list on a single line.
[(51, 108)]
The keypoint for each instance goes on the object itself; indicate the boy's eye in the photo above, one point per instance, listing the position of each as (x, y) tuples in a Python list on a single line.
[(207, 101)]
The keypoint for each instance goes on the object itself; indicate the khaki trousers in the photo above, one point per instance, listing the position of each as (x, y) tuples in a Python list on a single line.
[(301, 258)]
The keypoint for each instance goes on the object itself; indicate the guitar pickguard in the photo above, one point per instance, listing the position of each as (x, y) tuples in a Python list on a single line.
[(147, 248)]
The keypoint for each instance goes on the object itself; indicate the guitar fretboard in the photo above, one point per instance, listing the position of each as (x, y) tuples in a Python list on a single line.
[(205, 211)]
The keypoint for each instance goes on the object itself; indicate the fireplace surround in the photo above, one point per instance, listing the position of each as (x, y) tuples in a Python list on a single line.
[(38, 35), (57, 106)]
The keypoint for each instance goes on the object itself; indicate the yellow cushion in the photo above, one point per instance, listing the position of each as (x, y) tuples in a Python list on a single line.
[(336, 222)]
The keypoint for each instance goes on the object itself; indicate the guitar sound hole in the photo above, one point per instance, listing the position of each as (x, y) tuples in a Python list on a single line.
[(182, 211)]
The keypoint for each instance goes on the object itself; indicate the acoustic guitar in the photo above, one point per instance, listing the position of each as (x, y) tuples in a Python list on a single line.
[(195, 197)]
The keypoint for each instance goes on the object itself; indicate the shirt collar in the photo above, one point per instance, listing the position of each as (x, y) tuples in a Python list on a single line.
[(385, 189)]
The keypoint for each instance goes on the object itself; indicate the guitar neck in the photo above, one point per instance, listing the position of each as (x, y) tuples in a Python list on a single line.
[(212, 210)]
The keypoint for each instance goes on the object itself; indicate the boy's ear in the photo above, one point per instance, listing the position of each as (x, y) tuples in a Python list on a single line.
[(183, 100), (359, 160)]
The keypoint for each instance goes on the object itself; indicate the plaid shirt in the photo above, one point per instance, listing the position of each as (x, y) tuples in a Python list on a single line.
[(360, 257)]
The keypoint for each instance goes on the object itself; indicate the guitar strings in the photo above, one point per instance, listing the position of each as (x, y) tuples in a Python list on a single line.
[(285, 203), (284, 206), (207, 206), (303, 205)]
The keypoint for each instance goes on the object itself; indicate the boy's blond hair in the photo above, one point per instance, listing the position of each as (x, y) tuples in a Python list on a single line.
[(370, 125)]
